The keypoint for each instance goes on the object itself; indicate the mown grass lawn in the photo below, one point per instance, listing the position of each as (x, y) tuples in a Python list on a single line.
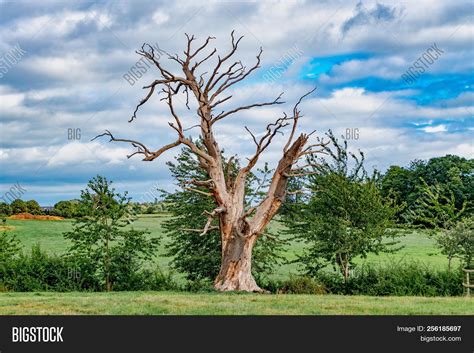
[(178, 303)]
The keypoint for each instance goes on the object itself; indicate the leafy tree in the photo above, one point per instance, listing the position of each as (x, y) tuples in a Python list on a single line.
[(453, 175), (33, 207), (464, 232), (199, 255), (102, 238), (458, 242), (66, 209), (346, 215), (18, 206), (5, 209)]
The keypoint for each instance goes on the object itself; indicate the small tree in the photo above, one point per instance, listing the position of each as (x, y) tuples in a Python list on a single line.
[(448, 243), (458, 242), (345, 217), (101, 237)]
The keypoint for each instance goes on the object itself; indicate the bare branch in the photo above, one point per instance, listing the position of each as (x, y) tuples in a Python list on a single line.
[(296, 116), (253, 136), (233, 79), (200, 230), (220, 101), (223, 115), (150, 55), (141, 148), (144, 100), (211, 215), (198, 191), (191, 127), (289, 175), (235, 45), (201, 47), (271, 130), (304, 153), (209, 183)]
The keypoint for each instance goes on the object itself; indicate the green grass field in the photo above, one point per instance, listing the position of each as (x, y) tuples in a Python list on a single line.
[(171, 303), (418, 246)]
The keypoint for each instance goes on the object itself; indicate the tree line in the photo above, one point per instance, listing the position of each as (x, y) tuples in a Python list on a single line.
[(69, 208)]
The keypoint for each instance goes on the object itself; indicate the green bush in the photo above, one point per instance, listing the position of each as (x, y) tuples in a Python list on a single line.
[(199, 285), (295, 285), (403, 279), (39, 271), (147, 279)]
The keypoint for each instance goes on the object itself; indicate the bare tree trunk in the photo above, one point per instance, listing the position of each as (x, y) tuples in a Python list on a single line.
[(236, 265)]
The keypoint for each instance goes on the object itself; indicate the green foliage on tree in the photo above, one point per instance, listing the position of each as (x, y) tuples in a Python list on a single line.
[(199, 256), (453, 175), (458, 242), (9, 247), (33, 207), (18, 206), (435, 209), (345, 215), (103, 238), (67, 209), (5, 209)]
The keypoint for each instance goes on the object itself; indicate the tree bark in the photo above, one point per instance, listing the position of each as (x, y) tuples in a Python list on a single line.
[(236, 265)]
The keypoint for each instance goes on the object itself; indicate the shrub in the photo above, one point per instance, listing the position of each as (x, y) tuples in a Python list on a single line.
[(199, 285), (403, 279), (301, 285), (39, 271), (295, 285)]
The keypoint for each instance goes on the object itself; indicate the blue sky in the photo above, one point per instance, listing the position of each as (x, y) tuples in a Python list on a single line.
[(62, 67)]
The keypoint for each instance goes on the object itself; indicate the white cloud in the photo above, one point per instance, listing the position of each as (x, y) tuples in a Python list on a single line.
[(160, 17), (435, 129)]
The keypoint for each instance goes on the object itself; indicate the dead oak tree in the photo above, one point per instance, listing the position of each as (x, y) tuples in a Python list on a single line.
[(240, 227)]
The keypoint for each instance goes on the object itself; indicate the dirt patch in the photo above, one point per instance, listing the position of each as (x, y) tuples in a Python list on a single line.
[(37, 217), (6, 228)]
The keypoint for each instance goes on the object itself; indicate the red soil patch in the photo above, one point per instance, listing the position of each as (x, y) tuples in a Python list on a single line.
[(37, 217)]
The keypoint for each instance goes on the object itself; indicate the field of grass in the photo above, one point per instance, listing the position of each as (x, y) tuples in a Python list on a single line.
[(417, 245), (171, 303)]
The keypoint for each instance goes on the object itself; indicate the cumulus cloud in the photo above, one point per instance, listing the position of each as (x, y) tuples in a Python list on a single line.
[(364, 16)]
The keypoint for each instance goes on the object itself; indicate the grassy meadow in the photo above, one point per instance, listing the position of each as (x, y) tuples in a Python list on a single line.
[(179, 303), (417, 246)]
